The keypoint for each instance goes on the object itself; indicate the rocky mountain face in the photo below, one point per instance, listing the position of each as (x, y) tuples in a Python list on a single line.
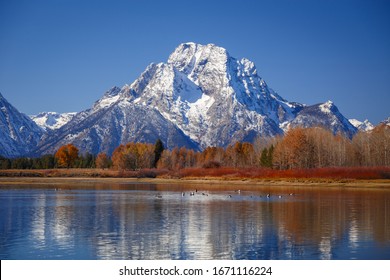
[(18, 133), (202, 96)]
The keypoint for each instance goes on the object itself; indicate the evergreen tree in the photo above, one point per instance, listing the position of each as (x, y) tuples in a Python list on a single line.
[(267, 157), (86, 161), (270, 155), (48, 161), (158, 150), (5, 163), (264, 158)]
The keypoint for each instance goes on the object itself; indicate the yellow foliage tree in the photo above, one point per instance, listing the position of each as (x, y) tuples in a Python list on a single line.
[(133, 156)]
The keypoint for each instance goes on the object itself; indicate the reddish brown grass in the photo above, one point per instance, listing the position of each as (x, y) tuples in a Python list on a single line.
[(265, 173), (361, 173), (75, 172)]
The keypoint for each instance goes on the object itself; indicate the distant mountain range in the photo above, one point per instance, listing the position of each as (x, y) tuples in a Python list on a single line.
[(200, 97)]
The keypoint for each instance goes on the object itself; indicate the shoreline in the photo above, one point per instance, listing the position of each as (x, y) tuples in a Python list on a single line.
[(201, 181)]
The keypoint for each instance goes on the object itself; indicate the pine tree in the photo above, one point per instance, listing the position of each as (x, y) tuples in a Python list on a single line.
[(158, 150), (267, 157), (270, 156), (264, 158)]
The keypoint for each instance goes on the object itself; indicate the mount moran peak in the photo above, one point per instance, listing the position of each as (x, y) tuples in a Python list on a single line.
[(202, 96)]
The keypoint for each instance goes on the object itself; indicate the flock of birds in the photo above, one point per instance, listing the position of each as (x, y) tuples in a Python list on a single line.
[(193, 193), (238, 192)]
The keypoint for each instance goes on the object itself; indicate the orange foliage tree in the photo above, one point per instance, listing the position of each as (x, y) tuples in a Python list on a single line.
[(67, 155), (102, 161), (299, 148)]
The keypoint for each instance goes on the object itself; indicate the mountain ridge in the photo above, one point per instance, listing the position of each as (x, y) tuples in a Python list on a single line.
[(202, 96), (201, 93)]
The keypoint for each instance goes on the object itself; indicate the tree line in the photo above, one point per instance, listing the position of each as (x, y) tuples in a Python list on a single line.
[(299, 148), (67, 156)]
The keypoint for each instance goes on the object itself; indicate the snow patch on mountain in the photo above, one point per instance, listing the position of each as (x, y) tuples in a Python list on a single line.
[(362, 126), (326, 107), (52, 120)]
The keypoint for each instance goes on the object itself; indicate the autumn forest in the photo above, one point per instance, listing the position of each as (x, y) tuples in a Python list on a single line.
[(299, 149)]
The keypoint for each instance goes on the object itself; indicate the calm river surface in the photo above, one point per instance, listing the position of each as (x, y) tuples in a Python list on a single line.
[(150, 221)]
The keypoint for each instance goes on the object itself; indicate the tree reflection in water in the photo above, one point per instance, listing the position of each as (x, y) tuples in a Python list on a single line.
[(158, 222)]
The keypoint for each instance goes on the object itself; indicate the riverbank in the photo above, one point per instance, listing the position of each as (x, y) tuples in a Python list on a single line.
[(378, 177), (203, 183)]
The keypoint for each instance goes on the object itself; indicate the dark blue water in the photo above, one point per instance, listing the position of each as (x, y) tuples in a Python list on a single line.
[(145, 222)]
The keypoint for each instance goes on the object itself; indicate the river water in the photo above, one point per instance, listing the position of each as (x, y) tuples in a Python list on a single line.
[(154, 221)]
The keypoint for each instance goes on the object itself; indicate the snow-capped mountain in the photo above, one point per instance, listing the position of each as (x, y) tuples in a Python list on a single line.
[(217, 100), (52, 120), (114, 120), (201, 93), (362, 126), (18, 133), (325, 115), (212, 97), (386, 121), (201, 97)]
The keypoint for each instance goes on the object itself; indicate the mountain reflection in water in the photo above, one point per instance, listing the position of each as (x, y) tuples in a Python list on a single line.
[(145, 221)]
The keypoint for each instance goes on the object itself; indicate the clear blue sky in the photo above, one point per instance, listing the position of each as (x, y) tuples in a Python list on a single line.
[(62, 55)]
